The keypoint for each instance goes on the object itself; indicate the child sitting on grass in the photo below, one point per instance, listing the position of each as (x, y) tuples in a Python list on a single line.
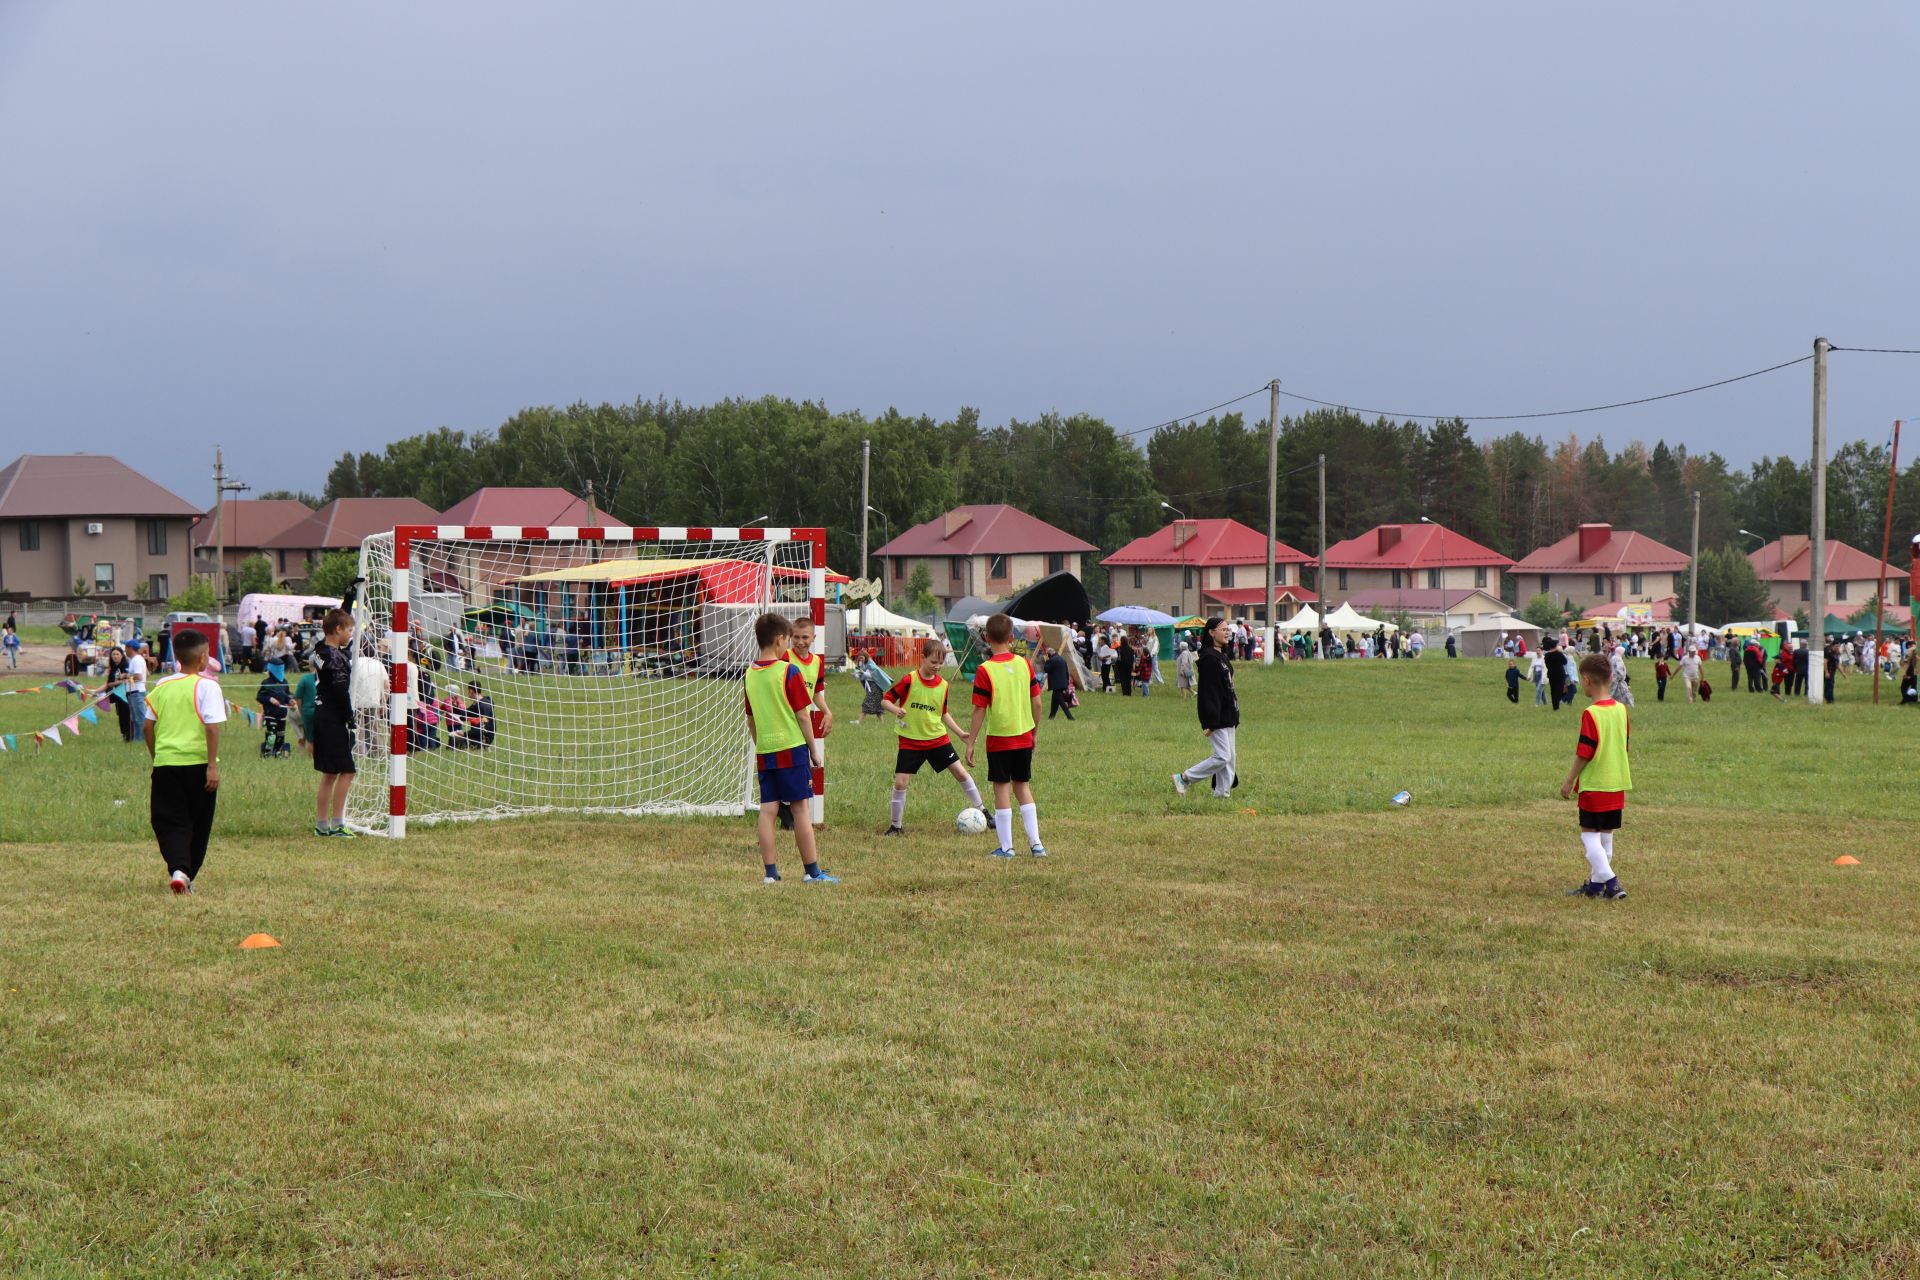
[(1602, 777)]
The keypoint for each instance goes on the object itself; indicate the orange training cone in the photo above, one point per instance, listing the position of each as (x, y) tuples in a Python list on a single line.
[(1846, 860), (254, 941)]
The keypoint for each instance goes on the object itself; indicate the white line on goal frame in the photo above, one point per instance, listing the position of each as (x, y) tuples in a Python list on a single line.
[(399, 635)]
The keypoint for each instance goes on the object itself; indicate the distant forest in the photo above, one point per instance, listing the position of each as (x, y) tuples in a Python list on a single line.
[(798, 463)]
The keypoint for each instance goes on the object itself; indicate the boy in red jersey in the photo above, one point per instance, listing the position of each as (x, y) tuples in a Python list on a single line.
[(813, 669), (927, 730), (777, 721), (1006, 699), (1602, 776)]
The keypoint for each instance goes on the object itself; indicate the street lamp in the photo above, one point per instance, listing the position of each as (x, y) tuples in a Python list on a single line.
[(1756, 537), (748, 524), (1180, 515), (1446, 617)]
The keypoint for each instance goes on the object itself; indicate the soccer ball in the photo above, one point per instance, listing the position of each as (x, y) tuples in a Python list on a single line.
[(971, 822)]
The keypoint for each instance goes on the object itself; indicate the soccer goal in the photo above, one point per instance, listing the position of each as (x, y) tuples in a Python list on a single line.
[(588, 670)]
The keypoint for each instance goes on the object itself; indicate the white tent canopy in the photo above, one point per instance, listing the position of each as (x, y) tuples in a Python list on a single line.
[(1345, 618), (1305, 620), (874, 616), (1503, 622), (1479, 639)]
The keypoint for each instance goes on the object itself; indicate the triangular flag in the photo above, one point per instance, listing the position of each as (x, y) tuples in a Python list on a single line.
[(72, 724), (119, 694), (51, 735), (3, 744), (13, 742), (90, 715)]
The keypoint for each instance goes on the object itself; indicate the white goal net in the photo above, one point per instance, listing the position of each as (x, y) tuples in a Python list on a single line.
[(577, 671)]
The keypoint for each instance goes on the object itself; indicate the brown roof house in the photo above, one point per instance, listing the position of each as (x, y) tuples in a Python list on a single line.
[(525, 508), (342, 525), (988, 550), (1852, 577), (1190, 566), (1597, 565), (247, 528), (92, 520)]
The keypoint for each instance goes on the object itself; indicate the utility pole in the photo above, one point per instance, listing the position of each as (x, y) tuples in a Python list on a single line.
[(1273, 508), (1817, 568), (1320, 582), (866, 469), (1886, 546), (221, 488), (1693, 576), (593, 512)]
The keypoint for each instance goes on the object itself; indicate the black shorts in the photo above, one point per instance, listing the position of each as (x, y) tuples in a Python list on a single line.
[(332, 745), (1600, 819), (1015, 765), (909, 759)]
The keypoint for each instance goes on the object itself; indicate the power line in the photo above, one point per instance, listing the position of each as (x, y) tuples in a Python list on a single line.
[(1881, 351), (1553, 413), (1011, 452)]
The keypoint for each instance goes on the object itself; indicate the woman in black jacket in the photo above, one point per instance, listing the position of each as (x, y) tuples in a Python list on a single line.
[(1219, 714)]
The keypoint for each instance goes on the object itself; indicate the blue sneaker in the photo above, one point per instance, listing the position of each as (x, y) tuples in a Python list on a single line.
[(822, 876), (998, 852), (1039, 851)]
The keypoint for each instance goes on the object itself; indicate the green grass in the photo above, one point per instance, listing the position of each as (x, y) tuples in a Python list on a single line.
[(1327, 1038)]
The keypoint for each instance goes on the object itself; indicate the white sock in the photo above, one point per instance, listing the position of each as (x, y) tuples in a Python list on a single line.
[(972, 789), (899, 809), (1003, 827), (1607, 838), (1030, 819), (1600, 866)]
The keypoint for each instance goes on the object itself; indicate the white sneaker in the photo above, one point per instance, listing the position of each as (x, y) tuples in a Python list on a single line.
[(1179, 784), (179, 883)]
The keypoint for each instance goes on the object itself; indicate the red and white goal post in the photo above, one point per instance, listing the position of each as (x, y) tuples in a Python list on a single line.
[(590, 670)]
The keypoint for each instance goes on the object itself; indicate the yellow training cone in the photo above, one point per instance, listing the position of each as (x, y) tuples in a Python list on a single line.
[(254, 941), (1846, 860)]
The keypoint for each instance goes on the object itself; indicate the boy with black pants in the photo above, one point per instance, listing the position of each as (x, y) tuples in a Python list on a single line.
[(1602, 777), (333, 724), (1006, 699), (182, 733)]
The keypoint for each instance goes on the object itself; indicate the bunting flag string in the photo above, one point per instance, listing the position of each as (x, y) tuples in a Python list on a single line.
[(90, 714)]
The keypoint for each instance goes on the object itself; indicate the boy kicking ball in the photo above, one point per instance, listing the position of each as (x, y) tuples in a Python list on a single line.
[(1601, 776), (927, 730), (1006, 699), (778, 702)]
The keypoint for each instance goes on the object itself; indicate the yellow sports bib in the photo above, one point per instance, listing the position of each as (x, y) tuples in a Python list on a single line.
[(1608, 770), (178, 735), (811, 670), (1010, 714), (776, 726), (926, 703)]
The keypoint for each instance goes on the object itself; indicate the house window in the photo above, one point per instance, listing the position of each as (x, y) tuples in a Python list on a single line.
[(1226, 575), (1480, 576), (1340, 577), (1906, 594), (1633, 584), (1433, 579), (156, 537), (157, 587), (1840, 590), (996, 568), (1803, 591), (1396, 580), (899, 568), (1136, 577), (103, 579), (956, 567), (1186, 579), (1056, 562), (1546, 580), (1600, 586), (29, 535)]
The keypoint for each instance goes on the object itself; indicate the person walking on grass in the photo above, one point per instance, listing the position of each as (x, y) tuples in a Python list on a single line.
[(1513, 681), (1059, 684), (1183, 669), (1690, 671), (1537, 673), (1219, 715), (1123, 665), (1602, 776), (182, 732)]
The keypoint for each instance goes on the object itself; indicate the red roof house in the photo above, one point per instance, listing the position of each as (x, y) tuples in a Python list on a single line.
[(1411, 555), (988, 550), (1598, 565), (1188, 562), (1852, 577), (528, 508)]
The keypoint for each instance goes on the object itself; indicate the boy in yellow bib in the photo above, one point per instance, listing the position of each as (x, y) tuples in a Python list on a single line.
[(1602, 776), (182, 733), (927, 730), (1006, 699), (813, 669), (785, 752)]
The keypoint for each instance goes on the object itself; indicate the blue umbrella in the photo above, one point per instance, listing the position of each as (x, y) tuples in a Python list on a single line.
[(1135, 615)]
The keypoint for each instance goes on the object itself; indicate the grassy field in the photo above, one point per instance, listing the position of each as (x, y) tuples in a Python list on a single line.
[(1297, 1033)]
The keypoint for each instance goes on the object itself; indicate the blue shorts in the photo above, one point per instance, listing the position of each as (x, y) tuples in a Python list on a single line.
[(787, 784)]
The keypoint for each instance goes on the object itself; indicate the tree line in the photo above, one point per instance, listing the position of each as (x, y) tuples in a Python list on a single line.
[(798, 463)]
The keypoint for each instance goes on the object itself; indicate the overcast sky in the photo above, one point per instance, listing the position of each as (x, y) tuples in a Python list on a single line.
[(297, 230)]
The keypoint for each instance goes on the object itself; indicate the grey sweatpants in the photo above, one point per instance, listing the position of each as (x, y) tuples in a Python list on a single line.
[(1219, 766)]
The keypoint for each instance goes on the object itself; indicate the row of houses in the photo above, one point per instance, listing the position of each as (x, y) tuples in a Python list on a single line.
[(1424, 569), (92, 521)]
